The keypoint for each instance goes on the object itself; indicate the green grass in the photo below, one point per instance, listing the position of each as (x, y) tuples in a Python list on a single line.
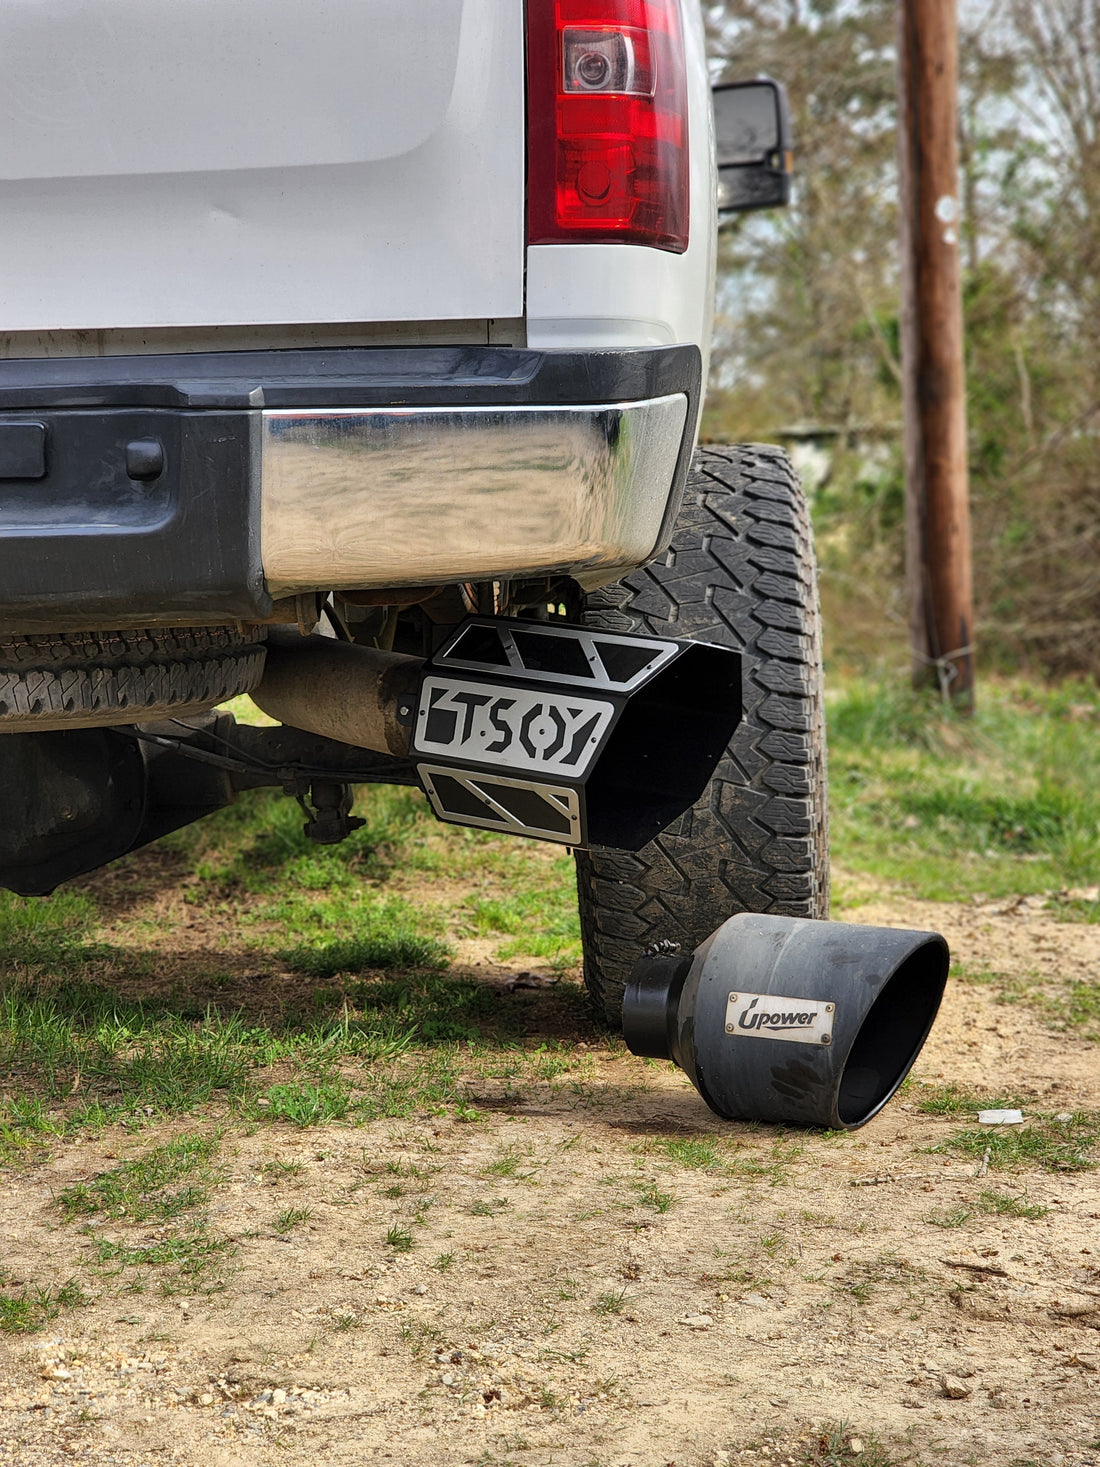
[(1002, 804), (168, 1185), (144, 1189), (1042, 1141), (292, 1217), (655, 1198), (992, 1204), (358, 1012), (1006, 1204), (30, 1309), (399, 1239), (80, 1055), (278, 1171), (193, 1253), (540, 923), (953, 1100), (1072, 1004), (701, 1152)]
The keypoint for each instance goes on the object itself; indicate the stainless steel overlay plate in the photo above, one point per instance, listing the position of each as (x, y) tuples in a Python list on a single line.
[(558, 654), (521, 806), (544, 732), (770, 1016)]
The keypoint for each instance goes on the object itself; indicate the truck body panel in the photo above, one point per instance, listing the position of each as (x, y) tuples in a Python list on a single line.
[(260, 161)]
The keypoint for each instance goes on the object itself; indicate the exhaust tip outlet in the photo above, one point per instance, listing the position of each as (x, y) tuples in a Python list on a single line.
[(790, 1021)]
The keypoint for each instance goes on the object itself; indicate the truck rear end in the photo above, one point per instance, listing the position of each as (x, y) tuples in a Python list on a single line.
[(351, 355), (346, 297)]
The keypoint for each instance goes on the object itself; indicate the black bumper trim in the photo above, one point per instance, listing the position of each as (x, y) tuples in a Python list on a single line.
[(351, 377)]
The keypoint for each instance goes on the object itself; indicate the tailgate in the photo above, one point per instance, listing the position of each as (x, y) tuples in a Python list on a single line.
[(211, 162)]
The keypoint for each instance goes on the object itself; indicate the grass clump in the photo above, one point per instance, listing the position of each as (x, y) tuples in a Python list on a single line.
[(279, 1171), (541, 922), (306, 1102), (193, 1252), (953, 1100), (398, 948), (399, 1239), (655, 1198), (1043, 1141), (1006, 1204), (292, 1217), (838, 1444), (700, 1152), (46, 932), (145, 1189), (29, 1310)]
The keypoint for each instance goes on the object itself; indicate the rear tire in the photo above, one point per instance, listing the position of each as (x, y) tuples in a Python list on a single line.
[(82, 679), (740, 572)]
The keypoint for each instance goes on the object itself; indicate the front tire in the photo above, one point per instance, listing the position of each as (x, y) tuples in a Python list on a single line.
[(739, 572)]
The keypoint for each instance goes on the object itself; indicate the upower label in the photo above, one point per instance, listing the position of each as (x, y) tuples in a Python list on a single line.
[(770, 1016)]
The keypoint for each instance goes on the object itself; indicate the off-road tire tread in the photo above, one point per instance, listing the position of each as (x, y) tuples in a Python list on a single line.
[(740, 572), (123, 676)]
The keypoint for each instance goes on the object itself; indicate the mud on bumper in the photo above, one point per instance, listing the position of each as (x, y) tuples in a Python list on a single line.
[(202, 487)]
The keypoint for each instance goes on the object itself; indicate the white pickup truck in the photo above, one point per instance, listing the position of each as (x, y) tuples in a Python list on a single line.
[(352, 355)]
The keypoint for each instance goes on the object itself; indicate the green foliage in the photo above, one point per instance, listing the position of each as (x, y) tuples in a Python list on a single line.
[(1006, 1204), (305, 1103), (953, 1100), (542, 922), (45, 932), (398, 948), (1004, 803), (194, 1253), (807, 350), (655, 1198), (697, 1151)]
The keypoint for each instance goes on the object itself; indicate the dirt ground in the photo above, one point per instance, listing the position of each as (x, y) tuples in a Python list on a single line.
[(576, 1295)]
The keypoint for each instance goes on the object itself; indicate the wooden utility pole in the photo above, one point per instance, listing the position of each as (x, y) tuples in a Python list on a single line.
[(937, 509)]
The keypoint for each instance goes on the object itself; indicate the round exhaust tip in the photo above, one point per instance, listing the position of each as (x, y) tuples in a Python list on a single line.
[(791, 1021)]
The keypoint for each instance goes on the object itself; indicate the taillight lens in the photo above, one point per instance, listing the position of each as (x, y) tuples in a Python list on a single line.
[(607, 123)]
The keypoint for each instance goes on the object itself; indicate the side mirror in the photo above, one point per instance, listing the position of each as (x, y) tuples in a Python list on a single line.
[(753, 144)]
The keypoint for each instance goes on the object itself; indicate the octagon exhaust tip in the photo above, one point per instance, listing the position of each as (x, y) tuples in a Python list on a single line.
[(787, 1020)]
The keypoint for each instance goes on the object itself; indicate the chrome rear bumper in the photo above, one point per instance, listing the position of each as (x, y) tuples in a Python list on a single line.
[(197, 488), (404, 496)]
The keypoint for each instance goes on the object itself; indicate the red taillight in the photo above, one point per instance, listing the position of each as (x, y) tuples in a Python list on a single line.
[(607, 123)]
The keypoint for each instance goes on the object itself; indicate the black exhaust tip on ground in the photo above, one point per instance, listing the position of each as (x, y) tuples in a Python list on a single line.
[(790, 1021)]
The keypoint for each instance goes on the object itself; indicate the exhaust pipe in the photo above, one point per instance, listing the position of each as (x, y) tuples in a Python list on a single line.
[(534, 728), (790, 1021), (340, 691)]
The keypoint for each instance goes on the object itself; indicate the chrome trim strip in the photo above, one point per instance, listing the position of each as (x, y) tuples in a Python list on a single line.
[(358, 498), (590, 644)]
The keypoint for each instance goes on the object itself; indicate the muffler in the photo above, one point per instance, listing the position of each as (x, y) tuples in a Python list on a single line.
[(534, 728), (790, 1021)]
